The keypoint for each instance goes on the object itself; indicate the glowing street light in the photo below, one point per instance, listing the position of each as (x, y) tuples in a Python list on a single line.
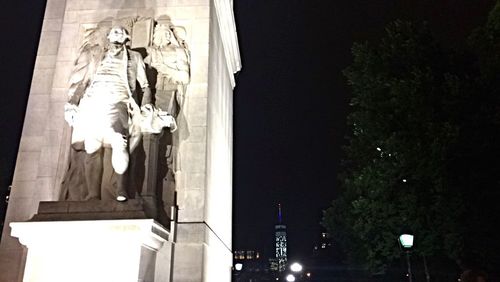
[(296, 267), (238, 266), (290, 278), (406, 241)]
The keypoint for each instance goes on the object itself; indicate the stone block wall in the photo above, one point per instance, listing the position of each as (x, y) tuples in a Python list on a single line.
[(205, 125)]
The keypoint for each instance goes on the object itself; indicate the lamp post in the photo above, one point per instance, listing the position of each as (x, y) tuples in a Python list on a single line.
[(406, 241), (237, 272)]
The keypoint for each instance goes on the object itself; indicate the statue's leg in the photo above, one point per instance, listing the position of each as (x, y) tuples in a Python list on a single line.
[(166, 100), (119, 155), (121, 187), (93, 174), (120, 161)]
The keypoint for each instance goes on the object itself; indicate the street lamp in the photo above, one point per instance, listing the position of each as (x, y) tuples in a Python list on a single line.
[(296, 267), (238, 266), (406, 241), (290, 278)]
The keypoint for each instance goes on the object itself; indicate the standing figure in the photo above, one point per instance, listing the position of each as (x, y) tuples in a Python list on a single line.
[(169, 56), (103, 112)]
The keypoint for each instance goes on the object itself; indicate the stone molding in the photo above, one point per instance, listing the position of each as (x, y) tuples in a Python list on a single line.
[(98, 250), (150, 233), (227, 26)]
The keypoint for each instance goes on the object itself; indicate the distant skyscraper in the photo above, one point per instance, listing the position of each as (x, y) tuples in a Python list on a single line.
[(280, 237)]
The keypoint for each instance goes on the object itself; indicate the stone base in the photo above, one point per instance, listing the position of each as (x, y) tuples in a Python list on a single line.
[(99, 250), (98, 210)]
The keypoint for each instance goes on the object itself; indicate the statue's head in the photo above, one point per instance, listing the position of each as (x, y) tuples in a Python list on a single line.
[(162, 35), (118, 34)]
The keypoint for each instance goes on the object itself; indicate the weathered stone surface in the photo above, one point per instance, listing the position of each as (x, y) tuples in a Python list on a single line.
[(200, 70), (187, 259), (205, 161), (69, 35), (11, 259), (197, 90), (195, 180), (91, 210), (23, 189), (45, 189), (26, 166), (191, 205), (193, 157), (197, 111), (22, 209), (55, 9), (66, 250), (38, 103), (45, 62), (49, 41), (62, 73), (52, 25), (30, 143), (41, 82)]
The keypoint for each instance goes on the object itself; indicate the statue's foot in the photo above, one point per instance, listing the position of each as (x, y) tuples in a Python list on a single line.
[(121, 198)]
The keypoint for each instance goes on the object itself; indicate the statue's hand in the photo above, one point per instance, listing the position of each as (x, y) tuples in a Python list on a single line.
[(70, 113), (154, 120), (168, 121)]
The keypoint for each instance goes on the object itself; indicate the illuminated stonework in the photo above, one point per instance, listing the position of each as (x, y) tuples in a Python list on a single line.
[(201, 227)]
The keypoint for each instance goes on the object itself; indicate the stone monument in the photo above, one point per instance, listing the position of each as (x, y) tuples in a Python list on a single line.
[(136, 184)]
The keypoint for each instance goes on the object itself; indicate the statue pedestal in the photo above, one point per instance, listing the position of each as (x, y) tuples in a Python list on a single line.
[(98, 250)]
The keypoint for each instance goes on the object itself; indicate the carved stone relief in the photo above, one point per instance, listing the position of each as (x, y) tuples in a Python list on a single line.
[(151, 169)]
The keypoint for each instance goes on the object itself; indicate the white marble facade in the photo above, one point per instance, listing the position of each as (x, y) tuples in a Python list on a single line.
[(204, 184)]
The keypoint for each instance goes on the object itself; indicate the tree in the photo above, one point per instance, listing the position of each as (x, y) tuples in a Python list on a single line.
[(412, 158)]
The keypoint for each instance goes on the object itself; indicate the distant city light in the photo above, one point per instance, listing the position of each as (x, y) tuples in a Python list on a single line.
[(296, 267), (308, 274), (404, 180), (238, 266), (290, 278), (378, 149)]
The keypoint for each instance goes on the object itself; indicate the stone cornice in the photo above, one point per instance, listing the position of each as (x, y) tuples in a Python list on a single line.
[(227, 26)]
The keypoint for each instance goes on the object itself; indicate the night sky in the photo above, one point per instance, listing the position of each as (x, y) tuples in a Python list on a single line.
[(291, 99)]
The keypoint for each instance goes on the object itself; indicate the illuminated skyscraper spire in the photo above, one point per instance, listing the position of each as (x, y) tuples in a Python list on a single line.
[(280, 236), (279, 214)]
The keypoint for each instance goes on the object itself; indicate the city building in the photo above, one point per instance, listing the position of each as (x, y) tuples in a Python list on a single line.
[(246, 255), (249, 265), (280, 242)]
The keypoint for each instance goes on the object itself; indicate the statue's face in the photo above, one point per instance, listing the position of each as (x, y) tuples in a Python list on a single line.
[(162, 36), (118, 35), (168, 34)]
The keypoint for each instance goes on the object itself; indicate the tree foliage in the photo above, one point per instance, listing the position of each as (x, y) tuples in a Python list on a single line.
[(422, 153)]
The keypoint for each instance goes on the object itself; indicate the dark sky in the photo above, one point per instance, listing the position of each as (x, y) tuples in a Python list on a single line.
[(291, 103), (290, 99)]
